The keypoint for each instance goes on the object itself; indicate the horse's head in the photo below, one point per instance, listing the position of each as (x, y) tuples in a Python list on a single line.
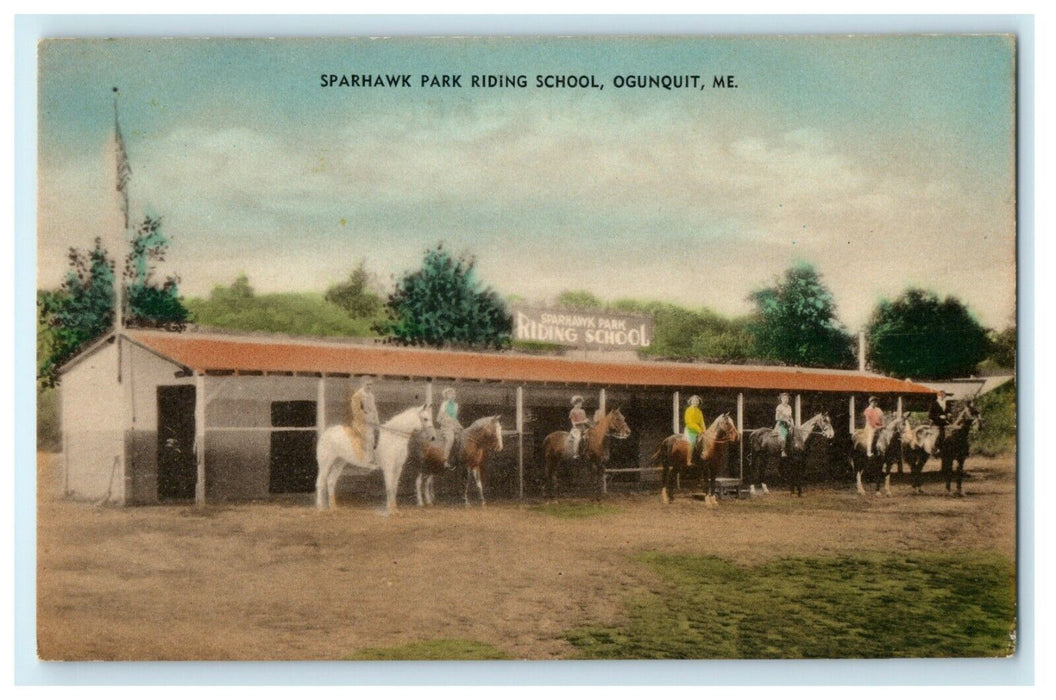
[(618, 427), (909, 433), (496, 427), (727, 428), (971, 415), (425, 417), (824, 426)]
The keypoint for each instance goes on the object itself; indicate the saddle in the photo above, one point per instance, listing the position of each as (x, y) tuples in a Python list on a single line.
[(582, 444)]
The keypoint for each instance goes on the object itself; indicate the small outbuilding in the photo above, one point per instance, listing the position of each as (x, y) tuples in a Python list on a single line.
[(152, 416)]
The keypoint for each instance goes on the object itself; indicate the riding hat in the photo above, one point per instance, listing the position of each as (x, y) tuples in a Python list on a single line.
[(577, 399), (783, 393), (449, 393), (873, 399), (694, 399)]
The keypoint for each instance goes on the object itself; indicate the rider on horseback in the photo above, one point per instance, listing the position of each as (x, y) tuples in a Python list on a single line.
[(693, 418), (939, 416), (361, 418), (783, 422), (578, 417), (874, 422), (447, 419)]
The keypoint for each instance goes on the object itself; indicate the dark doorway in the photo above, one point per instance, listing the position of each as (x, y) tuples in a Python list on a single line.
[(293, 467), (177, 468)]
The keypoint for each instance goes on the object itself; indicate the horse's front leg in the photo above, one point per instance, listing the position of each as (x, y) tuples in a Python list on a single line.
[(320, 489), (947, 471), (960, 476), (392, 481), (598, 472), (418, 489), (480, 483), (664, 470), (331, 485)]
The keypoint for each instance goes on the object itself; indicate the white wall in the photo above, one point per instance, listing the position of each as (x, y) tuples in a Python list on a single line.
[(92, 427)]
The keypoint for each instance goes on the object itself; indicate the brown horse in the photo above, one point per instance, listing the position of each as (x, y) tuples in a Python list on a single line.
[(595, 449), (709, 453), (470, 451), (919, 443)]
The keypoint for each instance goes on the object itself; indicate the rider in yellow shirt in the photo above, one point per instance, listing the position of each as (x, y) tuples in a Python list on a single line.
[(693, 418)]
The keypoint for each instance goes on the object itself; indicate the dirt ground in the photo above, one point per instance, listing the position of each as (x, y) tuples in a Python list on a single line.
[(279, 580)]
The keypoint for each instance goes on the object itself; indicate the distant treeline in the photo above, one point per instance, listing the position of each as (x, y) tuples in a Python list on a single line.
[(679, 333), (239, 307)]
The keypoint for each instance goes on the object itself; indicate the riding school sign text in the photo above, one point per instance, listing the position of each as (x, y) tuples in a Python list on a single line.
[(583, 329)]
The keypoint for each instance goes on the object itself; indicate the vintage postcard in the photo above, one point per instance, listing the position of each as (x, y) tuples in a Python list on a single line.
[(527, 348)]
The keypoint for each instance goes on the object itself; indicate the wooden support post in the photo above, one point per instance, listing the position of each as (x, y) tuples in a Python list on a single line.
[(899, 406), (799, 411), (601, 401), (199, 437), (850, 421), (675, 403), (429, 394), (520, 442), (740, 431), (320, 408)]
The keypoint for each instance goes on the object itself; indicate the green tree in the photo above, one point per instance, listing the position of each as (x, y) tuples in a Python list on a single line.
[(684, 334), (149, 303), (795, 322), (921, 336), (79, 311), (579, 299), (443, 303), (82, 308), (238, 307), (1003, 348), (357, 295)]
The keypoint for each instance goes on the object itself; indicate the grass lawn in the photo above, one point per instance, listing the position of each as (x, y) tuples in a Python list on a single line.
[(437, 649), (868, 606)]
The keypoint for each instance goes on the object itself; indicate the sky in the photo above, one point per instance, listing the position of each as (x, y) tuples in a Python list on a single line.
[(886, 162)]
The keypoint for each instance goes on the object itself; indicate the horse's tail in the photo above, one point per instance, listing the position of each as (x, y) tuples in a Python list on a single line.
[(659, 453)]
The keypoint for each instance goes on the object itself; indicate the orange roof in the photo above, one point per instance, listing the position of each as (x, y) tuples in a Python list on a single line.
[(203, 353)]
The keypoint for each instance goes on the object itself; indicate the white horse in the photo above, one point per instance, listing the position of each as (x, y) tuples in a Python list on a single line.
[(335, 451)]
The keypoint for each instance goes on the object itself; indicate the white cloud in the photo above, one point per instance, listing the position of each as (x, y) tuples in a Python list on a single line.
[(688, 209)]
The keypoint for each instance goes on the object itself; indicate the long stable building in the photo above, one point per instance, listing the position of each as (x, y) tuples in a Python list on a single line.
[(137, 405)]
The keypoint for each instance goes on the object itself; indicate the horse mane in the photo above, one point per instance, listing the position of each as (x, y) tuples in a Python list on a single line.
[(413, 409), (714, 427), (480, 424)]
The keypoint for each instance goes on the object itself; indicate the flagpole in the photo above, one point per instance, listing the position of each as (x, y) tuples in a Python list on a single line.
[(123, 173)]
